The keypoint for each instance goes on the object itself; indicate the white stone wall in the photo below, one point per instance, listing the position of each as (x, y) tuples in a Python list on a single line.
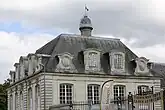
[(80, 85)]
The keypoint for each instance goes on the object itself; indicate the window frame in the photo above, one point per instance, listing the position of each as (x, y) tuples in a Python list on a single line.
[(11, 102), (65, 99), (37, 97), (30, 99), (121, 61), (94, 99), (16, 101), (119, 93), (95, 66), (21, 100)]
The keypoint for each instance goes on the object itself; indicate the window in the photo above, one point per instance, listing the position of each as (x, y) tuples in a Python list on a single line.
[(119, 92), (92, 59), (30, 107), (93, 93), (11, 102), (21, 101), (66, 93), (143, 89), (16, 101), (118, 61), (37, 97)]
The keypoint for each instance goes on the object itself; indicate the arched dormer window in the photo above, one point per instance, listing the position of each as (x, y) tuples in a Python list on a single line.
[(92, 60), (30, 98), (117, 61)]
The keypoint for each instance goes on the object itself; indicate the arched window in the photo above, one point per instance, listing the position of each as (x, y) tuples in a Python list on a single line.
[(37, 97), (66, 93), (11, 102), (21, 101), (30, 106), (119, 92), (16, 101), (93, 93)]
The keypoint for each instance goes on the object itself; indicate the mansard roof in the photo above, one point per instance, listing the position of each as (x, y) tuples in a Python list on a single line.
[(158, 69), (74, 44)]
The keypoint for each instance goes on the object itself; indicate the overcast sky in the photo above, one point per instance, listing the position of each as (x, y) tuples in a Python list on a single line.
[(26, 25)]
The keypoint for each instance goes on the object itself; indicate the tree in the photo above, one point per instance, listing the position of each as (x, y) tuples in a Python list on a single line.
[(3, 94)]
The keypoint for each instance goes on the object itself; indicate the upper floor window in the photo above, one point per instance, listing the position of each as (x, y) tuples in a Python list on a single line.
[(117, 61), (93, 93), (30, 106), (92, 60), (66, 93), (119, 92)]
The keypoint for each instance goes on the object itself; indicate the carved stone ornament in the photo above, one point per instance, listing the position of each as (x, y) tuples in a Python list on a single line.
[(65, 63), (142, 68)]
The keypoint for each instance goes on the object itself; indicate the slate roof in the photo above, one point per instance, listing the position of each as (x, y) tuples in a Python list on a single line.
[(76, 43), (158, 69)]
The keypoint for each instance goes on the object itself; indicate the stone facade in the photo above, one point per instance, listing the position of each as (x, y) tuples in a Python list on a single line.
[(70, 68)]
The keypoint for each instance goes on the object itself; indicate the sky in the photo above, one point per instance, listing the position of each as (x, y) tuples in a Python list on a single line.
[(26, 25)]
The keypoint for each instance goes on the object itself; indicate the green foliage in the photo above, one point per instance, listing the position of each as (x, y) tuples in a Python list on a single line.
[(3, 94)]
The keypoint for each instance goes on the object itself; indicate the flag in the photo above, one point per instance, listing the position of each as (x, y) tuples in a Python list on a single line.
[(86, 8)]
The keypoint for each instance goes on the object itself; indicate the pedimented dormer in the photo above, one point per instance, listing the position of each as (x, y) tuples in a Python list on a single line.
[(142, 67), (32, 63), (12, 76), (23, 66), (17, 71), (92, 61), (65, 63), (117, 62)]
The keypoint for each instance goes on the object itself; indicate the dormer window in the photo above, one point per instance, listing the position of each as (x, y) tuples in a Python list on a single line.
[(92, 60), (117, 61)]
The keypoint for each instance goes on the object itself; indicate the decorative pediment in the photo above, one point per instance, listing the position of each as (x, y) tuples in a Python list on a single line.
[(141, 66), (65, 63), (92, 60)]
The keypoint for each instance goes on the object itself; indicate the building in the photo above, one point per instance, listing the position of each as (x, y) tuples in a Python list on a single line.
[(74, 67)]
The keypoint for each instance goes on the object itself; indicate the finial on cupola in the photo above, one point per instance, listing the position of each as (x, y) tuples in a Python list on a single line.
[(85, 24)]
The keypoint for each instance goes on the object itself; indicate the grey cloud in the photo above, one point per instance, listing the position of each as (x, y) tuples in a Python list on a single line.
[(128, 19)]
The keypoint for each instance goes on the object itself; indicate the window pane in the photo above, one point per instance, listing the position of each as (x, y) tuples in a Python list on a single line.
[(118, 61), (65, 93), (118, 92), (93, 93)]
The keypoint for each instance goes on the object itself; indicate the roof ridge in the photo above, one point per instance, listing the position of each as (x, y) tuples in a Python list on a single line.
[(90, 37)]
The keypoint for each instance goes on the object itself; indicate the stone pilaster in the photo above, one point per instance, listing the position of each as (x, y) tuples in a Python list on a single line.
[(48, 92)]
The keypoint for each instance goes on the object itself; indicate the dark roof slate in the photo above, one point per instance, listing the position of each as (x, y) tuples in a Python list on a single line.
[(74, 44)]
